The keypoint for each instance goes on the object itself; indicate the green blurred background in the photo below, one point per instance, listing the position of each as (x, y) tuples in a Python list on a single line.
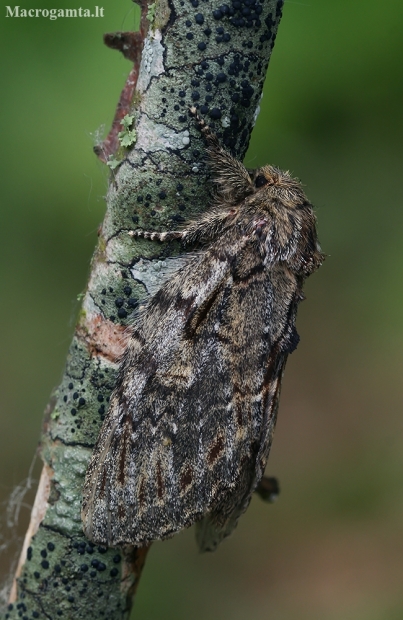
[(332, 546)]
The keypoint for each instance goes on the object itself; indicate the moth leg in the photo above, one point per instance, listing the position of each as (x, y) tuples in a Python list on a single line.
[(205, 228), (153, 235), (210, 224), (231, 177), (268, 489)]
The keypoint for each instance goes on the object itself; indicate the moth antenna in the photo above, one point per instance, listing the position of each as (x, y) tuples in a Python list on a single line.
[(208, 135), (233, 182)]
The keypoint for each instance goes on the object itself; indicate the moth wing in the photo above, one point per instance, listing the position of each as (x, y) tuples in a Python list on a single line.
[(184, 427), (219, 524), (223, 518), (146, 478)]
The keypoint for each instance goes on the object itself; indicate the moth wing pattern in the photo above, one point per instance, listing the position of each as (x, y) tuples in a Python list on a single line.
[(217, 525), (184, 431)]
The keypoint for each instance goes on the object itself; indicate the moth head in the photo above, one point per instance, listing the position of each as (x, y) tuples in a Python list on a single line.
[(285, 226), (276, 183), (266, 176)]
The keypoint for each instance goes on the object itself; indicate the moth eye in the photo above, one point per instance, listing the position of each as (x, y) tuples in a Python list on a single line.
[(260, 180)]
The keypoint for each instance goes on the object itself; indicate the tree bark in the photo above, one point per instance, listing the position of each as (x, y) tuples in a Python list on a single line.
[(196, 52)]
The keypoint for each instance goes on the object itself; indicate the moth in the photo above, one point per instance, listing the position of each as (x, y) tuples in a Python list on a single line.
[(191, 418)]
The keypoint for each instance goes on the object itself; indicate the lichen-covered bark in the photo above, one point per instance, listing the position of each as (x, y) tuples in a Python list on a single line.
[(196, 52)]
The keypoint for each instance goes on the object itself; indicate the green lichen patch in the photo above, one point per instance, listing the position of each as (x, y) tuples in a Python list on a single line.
[(127, 137), (68, 577), (113, 163), (151, 13), (82, 397), (118, 298)]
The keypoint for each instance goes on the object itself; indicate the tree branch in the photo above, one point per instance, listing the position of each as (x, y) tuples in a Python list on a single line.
[(195, 52)]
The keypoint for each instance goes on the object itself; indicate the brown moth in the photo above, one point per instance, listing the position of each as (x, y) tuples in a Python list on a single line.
[(191, 419)]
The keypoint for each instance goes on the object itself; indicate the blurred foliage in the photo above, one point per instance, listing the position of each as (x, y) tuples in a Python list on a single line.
[(332, 547)]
